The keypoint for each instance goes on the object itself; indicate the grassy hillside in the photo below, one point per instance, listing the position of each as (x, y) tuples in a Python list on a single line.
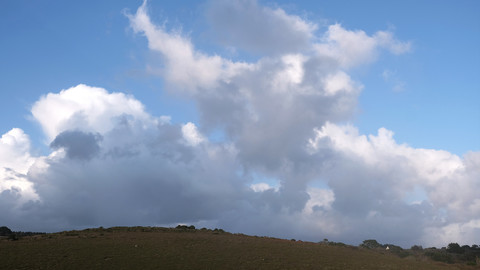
[(163, 248)]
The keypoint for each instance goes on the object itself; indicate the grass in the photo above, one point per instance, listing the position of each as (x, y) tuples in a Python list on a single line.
[(163, 248)]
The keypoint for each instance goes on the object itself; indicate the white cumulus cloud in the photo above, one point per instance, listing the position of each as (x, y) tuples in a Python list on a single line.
[(84, 108)]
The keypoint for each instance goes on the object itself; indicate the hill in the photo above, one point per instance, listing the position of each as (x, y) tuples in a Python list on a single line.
[(187, 248)]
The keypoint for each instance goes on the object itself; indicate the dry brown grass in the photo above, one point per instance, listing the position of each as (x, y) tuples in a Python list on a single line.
[(160, 248)]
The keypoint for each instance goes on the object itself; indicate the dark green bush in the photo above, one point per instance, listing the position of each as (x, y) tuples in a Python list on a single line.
[(371, 243), (440, 256), (455, 248), (416, 248), (5, 231)]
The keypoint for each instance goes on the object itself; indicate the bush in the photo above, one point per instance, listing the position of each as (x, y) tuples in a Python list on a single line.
[(371, 243), (340, 244), (440, 256), (190, 228), (5, 231), (416, 248), (13, 237), (455, 248)]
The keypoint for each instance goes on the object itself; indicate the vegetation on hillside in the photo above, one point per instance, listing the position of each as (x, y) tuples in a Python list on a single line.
[(186, 247), (453, 253), (11, 235)]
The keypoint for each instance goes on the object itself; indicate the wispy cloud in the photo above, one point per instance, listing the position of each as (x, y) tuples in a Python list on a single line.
[(392, 79)]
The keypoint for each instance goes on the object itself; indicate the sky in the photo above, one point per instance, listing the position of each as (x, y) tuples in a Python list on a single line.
[(304, 119)]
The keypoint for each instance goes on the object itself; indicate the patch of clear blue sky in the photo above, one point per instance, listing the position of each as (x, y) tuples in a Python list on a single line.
[(439, 106), (46, 46)]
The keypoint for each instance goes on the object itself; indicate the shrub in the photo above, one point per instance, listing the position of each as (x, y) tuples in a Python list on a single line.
[(371, 243), (185, 228), (455, 248), (13, 237), (181, 227), (5, 231), (416, 248), (440, 256), (340, 244)]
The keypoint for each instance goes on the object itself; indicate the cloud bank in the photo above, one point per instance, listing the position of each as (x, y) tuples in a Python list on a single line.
[(285, 167)]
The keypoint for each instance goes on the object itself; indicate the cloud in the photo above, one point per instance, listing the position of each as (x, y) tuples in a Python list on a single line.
[(385, 39), (15, 150), (84, 108), (249, 26), (309, 88), (464, 233), (392, 78), (139, 170), (15, 161), (77, 144), (372, 176), (320, 200), (353, 48), (112, 163), (272, 108), (191, 134), (185, 67)]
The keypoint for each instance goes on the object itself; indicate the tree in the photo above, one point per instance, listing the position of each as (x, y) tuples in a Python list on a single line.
[(415, 247), (5, 231), (455, 248), (371, 243)]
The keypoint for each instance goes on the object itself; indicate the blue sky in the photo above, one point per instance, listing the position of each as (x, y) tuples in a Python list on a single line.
[(328, 112)]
